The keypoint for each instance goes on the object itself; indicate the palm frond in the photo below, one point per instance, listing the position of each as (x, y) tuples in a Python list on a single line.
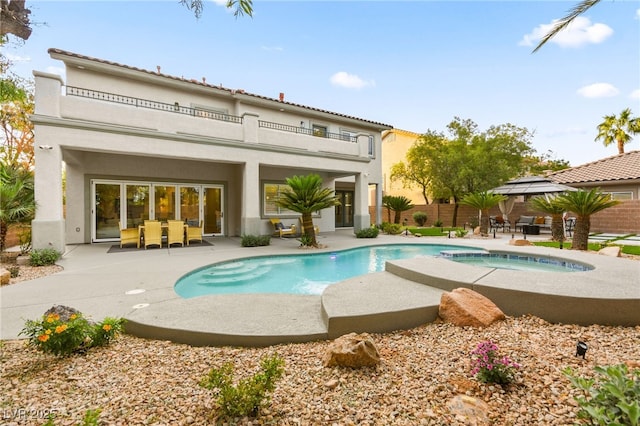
[(562, 23)]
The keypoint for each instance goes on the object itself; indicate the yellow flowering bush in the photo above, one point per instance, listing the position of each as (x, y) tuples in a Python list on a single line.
[(53, 335)]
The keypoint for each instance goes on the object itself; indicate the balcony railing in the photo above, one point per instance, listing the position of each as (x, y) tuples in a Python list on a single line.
[(145, 103), (306, 131)]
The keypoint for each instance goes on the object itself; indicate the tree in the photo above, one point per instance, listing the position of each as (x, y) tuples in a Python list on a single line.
[(242, 7), (14, 17), (549, 204), (483, 201), (583, 204), (17, 201), (396, 204), (562, 23), (306, 196), (17, 103), (416, 170), (618, 129), (536, 165)]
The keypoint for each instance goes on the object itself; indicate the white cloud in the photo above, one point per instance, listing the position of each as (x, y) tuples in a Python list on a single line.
[(598, 90), (350, 81), (15, 58), (637, 13), (272, 48), (635, 94), (579, 33)]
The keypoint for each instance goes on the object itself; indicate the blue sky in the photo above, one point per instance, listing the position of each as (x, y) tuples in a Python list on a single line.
[(414, 65)]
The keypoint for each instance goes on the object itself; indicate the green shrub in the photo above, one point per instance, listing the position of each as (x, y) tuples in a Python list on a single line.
[(43, 257), (24, 236), (420, 218), (489, 367), (305, 240), (371, 232), (612, 400), (392, 228), (460, 233), (437, 223), (14, 270), (62, 338), (245, 398), (255, 240)]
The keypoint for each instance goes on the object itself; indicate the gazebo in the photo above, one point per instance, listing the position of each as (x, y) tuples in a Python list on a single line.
[(528, 185)]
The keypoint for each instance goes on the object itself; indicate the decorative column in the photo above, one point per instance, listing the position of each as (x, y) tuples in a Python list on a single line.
[(361, 217), (251, 222)]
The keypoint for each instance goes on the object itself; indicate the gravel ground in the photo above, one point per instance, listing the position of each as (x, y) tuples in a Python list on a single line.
[(142, 382)]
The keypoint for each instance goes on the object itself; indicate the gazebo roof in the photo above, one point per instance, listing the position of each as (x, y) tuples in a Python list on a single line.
[(531, 185)]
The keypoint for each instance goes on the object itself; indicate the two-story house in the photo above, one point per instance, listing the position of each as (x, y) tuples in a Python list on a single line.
[(135, 144)]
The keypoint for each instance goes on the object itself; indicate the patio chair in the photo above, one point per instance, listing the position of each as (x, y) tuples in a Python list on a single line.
[(175, 232), (281, 230), (194, 233), (129, 236), (498, 223), (569, 224), (152, 233), (315, 227)]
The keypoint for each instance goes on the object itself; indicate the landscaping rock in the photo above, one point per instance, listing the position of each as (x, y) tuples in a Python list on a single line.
[(465, 307), (516, 242), (5, 276), (65, 312), (352, 350), (469, 410), (613, 251)]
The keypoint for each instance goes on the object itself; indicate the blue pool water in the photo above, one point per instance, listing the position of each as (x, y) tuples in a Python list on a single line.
[(312, 273), (298, 274)]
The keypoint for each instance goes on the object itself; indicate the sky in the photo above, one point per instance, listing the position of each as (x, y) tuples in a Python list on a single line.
[(414, 65)]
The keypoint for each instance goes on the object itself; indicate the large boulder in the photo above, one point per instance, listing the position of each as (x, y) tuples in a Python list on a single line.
[(465, 307), (469, 410), (352, 350), (5, 276), (65, 312), (613, 251)]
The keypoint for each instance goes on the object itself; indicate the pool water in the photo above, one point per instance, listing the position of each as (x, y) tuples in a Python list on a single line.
[(298, 274), (515, 261)]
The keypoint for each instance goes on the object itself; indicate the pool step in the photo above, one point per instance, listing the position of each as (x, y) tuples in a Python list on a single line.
[(239, 277)]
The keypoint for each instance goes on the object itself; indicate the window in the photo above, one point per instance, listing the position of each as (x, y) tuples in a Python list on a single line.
[(621, 195), (320, 131), (271, 192), (348, 135), (372, 147)]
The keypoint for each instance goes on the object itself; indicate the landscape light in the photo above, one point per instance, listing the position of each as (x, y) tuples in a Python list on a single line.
[(581, 349)]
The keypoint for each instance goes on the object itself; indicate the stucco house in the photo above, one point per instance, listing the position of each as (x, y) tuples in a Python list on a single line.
[(136, 144), (395, 144)]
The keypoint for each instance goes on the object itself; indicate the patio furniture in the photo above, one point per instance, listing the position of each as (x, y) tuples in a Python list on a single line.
[(281, 230), (524, 220), (194, 232), (499, 223), (129, 236), (175, 232), (569, 224), (152, 233)]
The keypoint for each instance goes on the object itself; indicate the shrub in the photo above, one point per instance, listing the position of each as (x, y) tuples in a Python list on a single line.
[(612, 400), (488, 367), (460, 233), (24, 237), (255, 240), (392, 228), (420, 218), (249, 394), (437, 223), (14, 270), (305, 240), (62, 338), (43, 257), (371, 232)]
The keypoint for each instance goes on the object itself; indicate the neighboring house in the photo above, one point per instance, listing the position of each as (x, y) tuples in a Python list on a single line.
[(140, 144), (618, 175), (395, 144)]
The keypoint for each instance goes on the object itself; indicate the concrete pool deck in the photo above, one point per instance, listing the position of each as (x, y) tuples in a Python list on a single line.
[(138, 285)]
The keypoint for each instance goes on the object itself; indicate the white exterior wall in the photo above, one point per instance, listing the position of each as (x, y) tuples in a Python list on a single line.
[(98, 139)]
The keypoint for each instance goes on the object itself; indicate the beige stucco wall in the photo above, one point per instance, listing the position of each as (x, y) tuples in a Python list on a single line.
[(395, 144)]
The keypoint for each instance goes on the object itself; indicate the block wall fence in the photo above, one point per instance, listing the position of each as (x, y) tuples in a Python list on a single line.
[(621, 219)]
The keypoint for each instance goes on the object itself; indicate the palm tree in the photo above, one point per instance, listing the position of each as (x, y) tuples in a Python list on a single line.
[(396, 204), (583, 204), (618, 129), (549, 204), (17, 201), (483, 201), (306, 196), (562, 23)]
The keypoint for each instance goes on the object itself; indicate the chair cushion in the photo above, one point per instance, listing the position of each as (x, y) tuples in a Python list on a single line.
[(279, 225)]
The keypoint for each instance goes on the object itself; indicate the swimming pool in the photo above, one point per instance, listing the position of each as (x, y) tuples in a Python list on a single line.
[(310, 274), (298, 274)]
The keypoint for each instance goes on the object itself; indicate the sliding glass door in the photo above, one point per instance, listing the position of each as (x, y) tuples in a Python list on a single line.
[(191, 203)]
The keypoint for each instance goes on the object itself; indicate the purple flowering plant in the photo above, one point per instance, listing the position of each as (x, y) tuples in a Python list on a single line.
[(490, 367)]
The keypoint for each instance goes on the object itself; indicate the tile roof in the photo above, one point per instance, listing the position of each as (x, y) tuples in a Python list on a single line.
[(202, 83), (618, 168)]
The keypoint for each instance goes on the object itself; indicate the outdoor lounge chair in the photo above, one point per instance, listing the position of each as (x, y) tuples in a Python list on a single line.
[(194, 233), (175, 232), (129, 236), (152, 233), (281, 230), (498, 223), (315, 227)]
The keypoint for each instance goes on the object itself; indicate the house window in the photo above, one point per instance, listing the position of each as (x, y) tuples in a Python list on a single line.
[(621, 195), (372, 147), (320, 131), (270, 193), (347, 135)]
